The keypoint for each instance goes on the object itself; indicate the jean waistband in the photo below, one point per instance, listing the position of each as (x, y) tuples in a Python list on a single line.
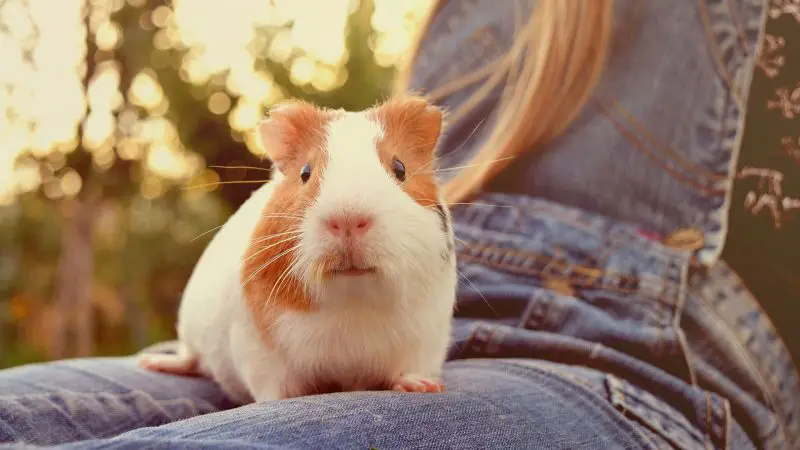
[(567, 249)]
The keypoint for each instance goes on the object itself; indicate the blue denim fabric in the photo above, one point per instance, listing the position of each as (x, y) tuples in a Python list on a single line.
[(496, 403), (573, 331), (605, 295), (656, 145)]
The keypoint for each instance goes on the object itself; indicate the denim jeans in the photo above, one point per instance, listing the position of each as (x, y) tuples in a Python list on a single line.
[(573, 331)]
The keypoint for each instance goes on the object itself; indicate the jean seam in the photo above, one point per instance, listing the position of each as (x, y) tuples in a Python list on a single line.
[(586, 393), (677, 312), (616, 383), (769, 395), (112, 430), (474, 224), (534, 206), (728, 420), (124, 396), (740, 27), (679, 176), (532, 258), (709, 254), (723, 70)]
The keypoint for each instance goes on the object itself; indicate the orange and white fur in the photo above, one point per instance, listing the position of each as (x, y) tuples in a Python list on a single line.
[(338, 274)]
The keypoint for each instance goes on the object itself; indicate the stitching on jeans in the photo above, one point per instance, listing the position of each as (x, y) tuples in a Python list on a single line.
[(519, 269), (655, 416), (668, 152), (683, 343), (614, 385), (530, 209), (726, 406), (591, 272), (740, 27), (534, 273), (661, 312), (714, 49), (127, 396), (640, 145), (744, 353), (588, 394), (708, 420)]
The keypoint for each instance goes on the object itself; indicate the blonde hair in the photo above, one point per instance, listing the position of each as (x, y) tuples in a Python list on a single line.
[(550, 71)]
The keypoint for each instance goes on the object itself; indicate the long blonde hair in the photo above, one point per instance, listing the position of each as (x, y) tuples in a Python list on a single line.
[(550, 71)]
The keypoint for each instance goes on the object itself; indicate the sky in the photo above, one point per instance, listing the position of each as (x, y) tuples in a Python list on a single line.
[(42, 47)]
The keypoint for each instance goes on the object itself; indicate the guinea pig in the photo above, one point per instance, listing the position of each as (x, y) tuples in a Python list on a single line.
[(336, 275)]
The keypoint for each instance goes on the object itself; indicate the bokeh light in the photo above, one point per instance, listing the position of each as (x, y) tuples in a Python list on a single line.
[(43, 55)]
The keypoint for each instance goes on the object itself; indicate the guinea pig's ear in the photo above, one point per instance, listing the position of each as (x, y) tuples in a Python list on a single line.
[(288, 132), (414, 118)]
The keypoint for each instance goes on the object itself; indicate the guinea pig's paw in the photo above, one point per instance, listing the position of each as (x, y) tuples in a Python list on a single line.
[(179, 364), (417, 383)]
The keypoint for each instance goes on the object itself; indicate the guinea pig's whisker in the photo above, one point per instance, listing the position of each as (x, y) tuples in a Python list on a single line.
[(437, 158), (276, 288), (457, 149), (217, 183), (266, 238), (461, 274), (290, 216), (448, 169), (466, 166), (241, 167), (478, 204), (461, 145), (434, 203), (263, 249), (206, 232), (266, 264)]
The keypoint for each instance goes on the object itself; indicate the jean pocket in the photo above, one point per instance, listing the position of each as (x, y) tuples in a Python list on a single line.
[(697, 426)]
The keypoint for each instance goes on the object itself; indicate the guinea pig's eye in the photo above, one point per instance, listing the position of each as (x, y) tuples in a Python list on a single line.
[(399, 169), (305, 173)]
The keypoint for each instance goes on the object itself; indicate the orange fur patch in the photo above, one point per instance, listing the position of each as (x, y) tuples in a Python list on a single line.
[(411, 130), (292, 137)]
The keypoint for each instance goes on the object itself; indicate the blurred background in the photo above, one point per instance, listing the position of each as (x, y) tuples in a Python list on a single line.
[(118, 118), (127, 123)]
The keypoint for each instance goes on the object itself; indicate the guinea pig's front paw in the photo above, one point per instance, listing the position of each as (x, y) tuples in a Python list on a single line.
[(417, 383)]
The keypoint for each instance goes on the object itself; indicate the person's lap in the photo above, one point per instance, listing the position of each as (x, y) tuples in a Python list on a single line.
[(490, 403), (83, 399)]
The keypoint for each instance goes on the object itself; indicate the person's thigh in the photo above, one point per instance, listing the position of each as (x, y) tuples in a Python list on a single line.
[(488, 404), (71, 400)]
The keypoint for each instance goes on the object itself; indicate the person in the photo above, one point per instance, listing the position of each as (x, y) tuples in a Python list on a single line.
[(589, 159)]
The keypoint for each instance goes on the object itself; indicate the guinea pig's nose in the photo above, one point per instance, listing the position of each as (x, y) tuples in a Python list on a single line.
[(348, 224)]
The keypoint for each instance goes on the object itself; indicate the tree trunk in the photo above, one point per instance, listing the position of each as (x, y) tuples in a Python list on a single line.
[(74, 318)]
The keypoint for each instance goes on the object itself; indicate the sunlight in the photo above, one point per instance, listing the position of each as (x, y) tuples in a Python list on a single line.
[(42, 51)]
